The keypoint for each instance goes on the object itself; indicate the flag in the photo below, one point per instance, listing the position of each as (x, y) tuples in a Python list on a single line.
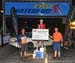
[(14, 18)]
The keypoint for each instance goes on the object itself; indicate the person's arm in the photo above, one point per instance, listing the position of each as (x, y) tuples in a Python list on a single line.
[(61, 39), (51, 36)]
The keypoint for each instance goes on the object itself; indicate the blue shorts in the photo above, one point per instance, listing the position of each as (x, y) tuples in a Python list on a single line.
[(56, 46)]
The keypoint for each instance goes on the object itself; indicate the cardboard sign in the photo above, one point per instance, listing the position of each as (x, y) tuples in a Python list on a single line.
[(23, 40)]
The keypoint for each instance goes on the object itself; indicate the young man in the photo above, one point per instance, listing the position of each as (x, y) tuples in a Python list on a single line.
[(41, 25), (57, 38), (22, 43)]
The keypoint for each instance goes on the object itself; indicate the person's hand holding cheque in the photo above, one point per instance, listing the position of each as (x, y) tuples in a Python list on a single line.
[(51, 36)]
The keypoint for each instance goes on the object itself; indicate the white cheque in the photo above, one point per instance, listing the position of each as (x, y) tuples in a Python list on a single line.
[(40, 34)]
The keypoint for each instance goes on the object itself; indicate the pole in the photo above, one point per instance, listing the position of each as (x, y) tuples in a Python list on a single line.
[(3, 21), (46, 59)]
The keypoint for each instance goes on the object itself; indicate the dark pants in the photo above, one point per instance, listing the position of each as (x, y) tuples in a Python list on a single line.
[(23, 47)]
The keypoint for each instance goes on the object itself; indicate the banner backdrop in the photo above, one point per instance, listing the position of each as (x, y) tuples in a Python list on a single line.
[(38, 8)]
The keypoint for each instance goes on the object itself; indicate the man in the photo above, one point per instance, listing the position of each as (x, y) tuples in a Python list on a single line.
[(57, 38), (22, 43), (41, 25)]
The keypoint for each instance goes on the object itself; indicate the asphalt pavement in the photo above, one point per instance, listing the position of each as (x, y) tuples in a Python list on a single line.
[(9, 54)]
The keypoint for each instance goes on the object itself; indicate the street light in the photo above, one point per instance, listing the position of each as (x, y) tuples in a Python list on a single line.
[(72, 24), (1, 11)]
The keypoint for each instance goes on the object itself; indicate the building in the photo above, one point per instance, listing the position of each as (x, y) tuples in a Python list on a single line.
[(27, 20)]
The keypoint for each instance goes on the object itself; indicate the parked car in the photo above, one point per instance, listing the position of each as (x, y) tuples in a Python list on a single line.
[(30, 42)]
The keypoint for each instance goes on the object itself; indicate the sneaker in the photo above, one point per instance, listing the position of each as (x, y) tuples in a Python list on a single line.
[(59, 58), (66, 48), (25, 56), (54, 58), (21, 57)]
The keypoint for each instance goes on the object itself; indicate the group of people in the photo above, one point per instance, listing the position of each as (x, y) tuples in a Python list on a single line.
[(57, 38)]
